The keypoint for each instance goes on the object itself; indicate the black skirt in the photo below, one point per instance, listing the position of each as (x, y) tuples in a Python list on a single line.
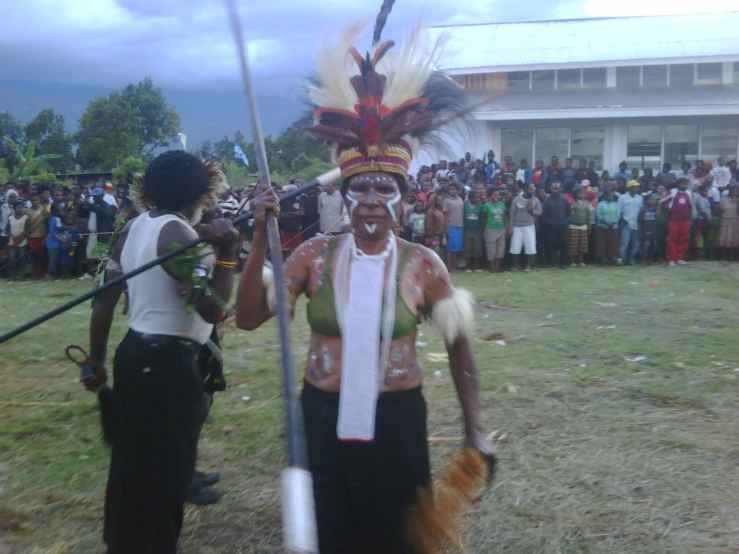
[(363, 489)]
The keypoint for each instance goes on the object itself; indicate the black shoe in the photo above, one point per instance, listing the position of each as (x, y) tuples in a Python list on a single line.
[(206, 479), (202, 496)]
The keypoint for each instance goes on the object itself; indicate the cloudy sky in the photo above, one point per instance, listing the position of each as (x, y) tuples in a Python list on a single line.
[(186, 44)]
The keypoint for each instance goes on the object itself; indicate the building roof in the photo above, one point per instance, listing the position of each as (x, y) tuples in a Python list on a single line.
[(490, 47)]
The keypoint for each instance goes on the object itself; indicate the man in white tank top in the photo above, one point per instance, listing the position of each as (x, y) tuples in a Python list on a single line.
[(158, 392)]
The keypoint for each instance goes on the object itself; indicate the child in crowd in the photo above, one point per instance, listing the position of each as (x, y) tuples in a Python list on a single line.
[(679, 204), (436, 226), (454, 216), (607, 235), (68, 238), (473, 231), (648, 231), (52, 242), (701, 219), (18, 225), (497, 227), (579, 227), (417, 221)]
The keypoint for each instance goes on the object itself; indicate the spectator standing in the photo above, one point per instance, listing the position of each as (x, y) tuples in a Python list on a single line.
[(554, 222), (647, 179), (454, 219), (436, 226), (100, 225), (648, 231), (728, 236), (721, 174), (524, 211), (523, 173), (622, 173), (593, 176), (417, 222), (579, 227), (52, 241), (492, 168), (18, 225), (497, 226), (540, 175), (569, 176), (701, 219), (68, 238), (473, 231), (714, 195), (630, 205), (554, 172), (442, 172), (733, 170), (666, 177), (686, 174), (679, 203), (330, 210), (508, 166), (37, 236), (582, 173), (607, 234), (591, 197)]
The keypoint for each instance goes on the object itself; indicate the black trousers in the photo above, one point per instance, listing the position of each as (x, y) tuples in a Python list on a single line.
[(363, 489), (157, 396), (555, 244)]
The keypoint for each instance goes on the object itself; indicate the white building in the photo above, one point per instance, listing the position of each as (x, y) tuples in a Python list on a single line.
[(646, 90)]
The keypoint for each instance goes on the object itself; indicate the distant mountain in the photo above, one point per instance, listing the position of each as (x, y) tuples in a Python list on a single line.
[(204, 114)]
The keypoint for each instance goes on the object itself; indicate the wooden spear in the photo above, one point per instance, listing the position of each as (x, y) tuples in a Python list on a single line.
[(298, 510)]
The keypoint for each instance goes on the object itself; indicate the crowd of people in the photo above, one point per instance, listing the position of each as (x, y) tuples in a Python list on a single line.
[(475, 214)]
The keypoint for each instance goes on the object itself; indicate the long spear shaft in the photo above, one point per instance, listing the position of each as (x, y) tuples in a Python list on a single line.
[(289, 197), (299, 523)]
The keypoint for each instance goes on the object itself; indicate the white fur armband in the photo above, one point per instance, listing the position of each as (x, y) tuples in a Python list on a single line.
[(268, 280), (454, 315)]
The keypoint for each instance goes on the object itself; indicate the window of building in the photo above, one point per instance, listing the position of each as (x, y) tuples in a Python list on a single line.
[(654, 76), (554, 141), (568, 79), (587, 144), (543, 80), (718, 141), (681, 75), (627, 77), (736, 73), (644, 146), (681, 144), (708, 74), (474, 82), (594, 77), (519, 79), (518, 143)]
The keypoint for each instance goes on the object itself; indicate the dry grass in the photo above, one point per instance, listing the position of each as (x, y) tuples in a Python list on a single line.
[(600, 454)]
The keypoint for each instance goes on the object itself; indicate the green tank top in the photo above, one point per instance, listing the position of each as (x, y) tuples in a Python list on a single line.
[(322, 310)]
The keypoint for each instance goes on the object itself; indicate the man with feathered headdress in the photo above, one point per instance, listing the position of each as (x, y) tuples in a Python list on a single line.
[(365, 416)]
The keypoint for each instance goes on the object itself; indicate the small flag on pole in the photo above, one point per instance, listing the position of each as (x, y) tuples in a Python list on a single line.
[(239, 153)]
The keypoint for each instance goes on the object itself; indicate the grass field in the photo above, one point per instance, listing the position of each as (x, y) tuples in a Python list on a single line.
[(600, 454)]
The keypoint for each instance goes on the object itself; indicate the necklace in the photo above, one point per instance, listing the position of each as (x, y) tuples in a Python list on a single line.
[(357, 253)]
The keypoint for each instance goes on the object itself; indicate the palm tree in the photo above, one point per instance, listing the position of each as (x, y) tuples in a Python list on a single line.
[(27, 163)]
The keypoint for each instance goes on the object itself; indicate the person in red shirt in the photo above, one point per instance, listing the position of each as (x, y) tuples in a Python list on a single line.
[(679, 204), (539, 177)]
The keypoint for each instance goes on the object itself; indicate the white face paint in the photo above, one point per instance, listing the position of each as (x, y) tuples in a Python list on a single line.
[(353, 203), (371, 228), (391, 206)]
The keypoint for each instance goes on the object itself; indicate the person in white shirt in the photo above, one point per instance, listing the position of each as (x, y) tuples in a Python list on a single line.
[(721, 175), (330, 210), (713, 192)]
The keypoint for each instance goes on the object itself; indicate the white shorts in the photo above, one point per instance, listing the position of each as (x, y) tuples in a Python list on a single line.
[(524, 237)]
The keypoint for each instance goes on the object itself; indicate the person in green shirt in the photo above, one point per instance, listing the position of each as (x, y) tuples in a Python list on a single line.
[(417, 223), (473, 230), (497, 227)]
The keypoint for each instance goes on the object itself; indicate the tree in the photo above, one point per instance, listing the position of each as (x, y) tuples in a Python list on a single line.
[(124, 172), (11, 128), (49, 132), (129, 123), (28, 164), (206, 149)]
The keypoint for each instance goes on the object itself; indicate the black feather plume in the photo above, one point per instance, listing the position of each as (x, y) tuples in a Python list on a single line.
[(387, 6)]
